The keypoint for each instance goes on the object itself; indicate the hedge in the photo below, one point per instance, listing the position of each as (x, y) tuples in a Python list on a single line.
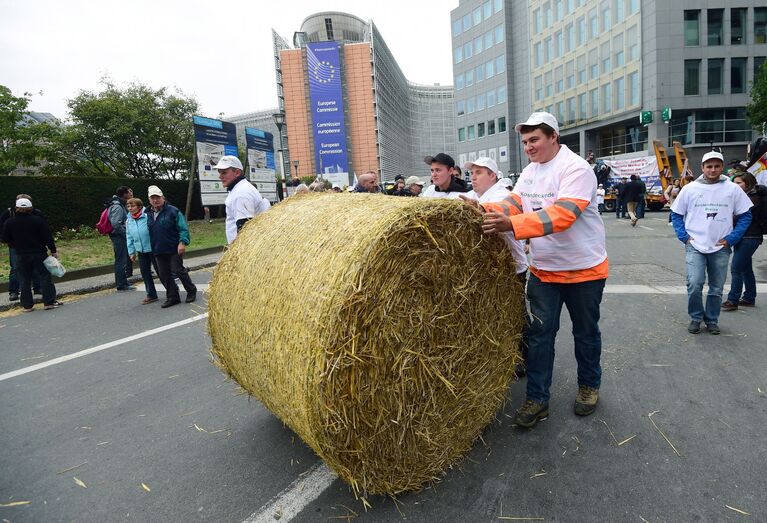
[(69, 202)]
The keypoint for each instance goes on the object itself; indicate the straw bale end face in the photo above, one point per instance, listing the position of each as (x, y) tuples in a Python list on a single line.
[(406, 341)]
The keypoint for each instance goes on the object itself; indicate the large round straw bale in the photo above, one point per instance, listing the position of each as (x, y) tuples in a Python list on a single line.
[(382, 330)]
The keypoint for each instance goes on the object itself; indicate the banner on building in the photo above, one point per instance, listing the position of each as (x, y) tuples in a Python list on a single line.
[(327, 107), (261, 165), (213, 139), (645, 167)]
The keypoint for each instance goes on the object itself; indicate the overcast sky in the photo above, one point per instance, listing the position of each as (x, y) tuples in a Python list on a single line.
[(219, 52)]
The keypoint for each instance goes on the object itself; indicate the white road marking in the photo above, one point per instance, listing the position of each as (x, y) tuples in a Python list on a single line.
[(290, 502), (646, 228), (660, 289), (99, 348)]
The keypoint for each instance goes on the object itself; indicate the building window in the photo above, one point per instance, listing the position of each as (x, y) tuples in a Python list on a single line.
[(593, 23), (715, 75), (537, 21), (607, 21), (618, 11), (538, 88), (547, 15), (582, 30), (469, 77), (633, 6), (692, 28), (618, 50), (715, 20), (760, 25), (502, 94), (549, 82), (467, 51), (462, 134), (497, 5), (560, 111), (470, 132), (758, 62), (491, 98), (329, 28), (581, 61), (481, 130), (487, 9), (570, 37), (548, 51), (605, 53), (489, 69), (488, 40), (456, 28), (607, 98), (467, 22), (721, 125), (479, 72), (594, 95), (470, 105), (620, 94), (635, 90), (499, 34), (738, 26), (583, 111), (558, 10), (476, 16), (559, 80), (560, 43), (632, 42), (460, 108), (594, 61), (500, 64), (458, 55), (570, 74), (480, 101), (691, 77), (570, 116), (478, 45), (502, 124), (458, 82), (491, 127), (738, 75)]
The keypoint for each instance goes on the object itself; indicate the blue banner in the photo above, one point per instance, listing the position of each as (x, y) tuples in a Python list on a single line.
[(327, 106), (261, 165), (213, 139), (263, 141)]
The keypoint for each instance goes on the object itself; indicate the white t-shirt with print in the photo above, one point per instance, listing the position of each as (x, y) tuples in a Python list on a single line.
[(432, 192), (567, 175), (708, 211), (497, 193)]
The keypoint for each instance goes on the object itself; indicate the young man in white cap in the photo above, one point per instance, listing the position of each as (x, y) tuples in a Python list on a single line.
[(243, 201), (554, 205), (703, 215)]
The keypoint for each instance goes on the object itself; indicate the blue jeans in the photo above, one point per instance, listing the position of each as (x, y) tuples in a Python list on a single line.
[(120, 247), (145, 264), (546, 300), (641, 207), (698, 264), (30, 267), (742, 271)]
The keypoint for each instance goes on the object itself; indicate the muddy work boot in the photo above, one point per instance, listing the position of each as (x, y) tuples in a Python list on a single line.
[(530, 413), (586, 400)]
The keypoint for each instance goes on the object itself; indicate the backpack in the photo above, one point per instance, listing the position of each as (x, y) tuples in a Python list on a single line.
[(104, 226)]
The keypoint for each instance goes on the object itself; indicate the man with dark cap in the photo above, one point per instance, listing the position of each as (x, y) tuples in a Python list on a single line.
[(444, 184)]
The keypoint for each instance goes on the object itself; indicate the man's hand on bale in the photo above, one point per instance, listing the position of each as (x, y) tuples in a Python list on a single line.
[(494, 222)]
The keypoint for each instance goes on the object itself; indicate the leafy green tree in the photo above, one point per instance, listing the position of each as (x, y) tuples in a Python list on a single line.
[(756, 111), (23, 142), (134, 131)]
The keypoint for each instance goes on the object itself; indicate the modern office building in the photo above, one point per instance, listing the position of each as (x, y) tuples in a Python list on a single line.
[(348, 106), (597, 65)]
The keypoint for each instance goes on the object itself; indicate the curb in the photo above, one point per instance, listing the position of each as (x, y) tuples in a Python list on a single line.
[(104, 286)]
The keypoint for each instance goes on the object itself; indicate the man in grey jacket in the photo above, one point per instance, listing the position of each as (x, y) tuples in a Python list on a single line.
[(118, 214)]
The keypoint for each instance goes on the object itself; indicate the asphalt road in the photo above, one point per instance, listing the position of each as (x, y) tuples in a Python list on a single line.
[(678, 435)]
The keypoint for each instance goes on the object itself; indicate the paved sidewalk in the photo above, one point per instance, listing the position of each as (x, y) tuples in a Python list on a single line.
[(106, 281)]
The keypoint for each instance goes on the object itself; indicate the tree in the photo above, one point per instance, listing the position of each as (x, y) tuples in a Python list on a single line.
[(756, 111), (135, 131), (23, 141)]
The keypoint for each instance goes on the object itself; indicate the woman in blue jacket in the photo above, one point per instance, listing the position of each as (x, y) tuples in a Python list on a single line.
[(137, 236)]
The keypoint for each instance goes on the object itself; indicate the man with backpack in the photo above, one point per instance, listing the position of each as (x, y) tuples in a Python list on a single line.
[(117, 214)]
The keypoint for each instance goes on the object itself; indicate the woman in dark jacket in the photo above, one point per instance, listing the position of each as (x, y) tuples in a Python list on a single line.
[(741, 268)]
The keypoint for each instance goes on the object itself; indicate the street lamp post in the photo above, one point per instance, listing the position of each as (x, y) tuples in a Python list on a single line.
[(279, 121), (295, 164)]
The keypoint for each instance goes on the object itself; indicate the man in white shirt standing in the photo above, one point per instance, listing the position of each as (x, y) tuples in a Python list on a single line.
[(243, 201), (703, 215)]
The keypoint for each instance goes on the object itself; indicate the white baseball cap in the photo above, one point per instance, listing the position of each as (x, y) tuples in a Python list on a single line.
[(229, 161), (414, 180), (482, 161), (153, 190), (538, 119), (712, 155), (23, 203)]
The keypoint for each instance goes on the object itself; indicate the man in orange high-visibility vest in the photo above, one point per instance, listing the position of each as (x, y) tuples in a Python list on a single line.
[(554, 205)]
